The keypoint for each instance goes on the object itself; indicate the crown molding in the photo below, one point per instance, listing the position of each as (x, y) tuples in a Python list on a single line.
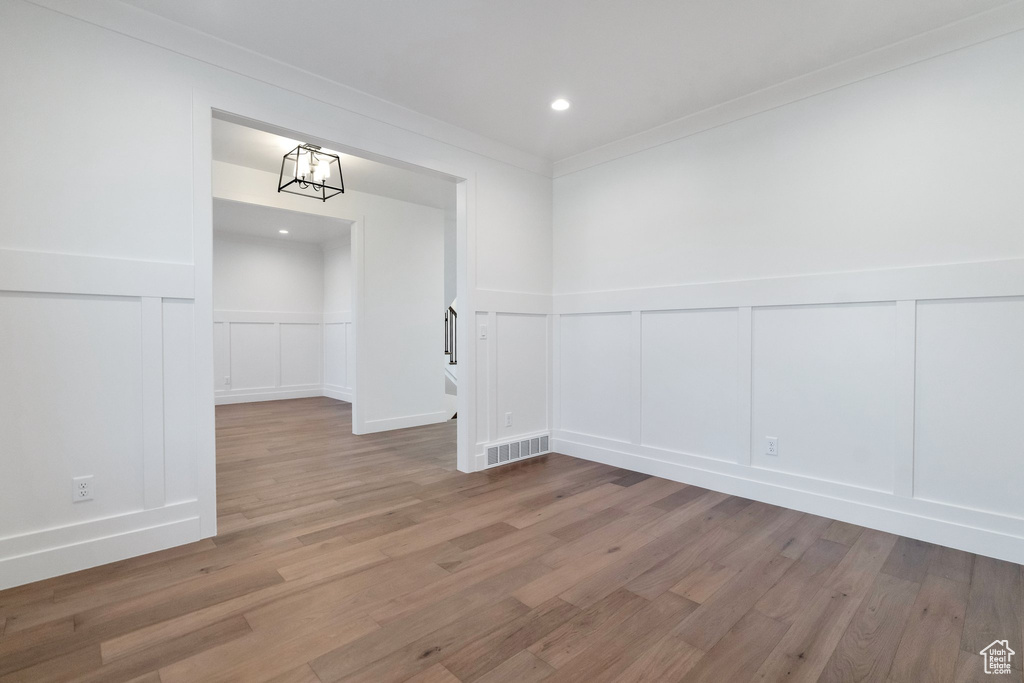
[(973, 30), (149, 28)]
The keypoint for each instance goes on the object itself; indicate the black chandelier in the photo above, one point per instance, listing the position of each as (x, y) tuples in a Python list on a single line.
[(308, 171)]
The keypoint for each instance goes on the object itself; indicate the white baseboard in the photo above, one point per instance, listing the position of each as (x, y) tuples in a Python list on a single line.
[(949, 525), (373, 426), (338, 393), (256, 395), (45, 554)]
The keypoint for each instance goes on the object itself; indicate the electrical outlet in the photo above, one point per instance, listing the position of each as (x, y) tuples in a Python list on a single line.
[(771, 445), (508, 419), (227, 380), (81, 489), (483, 331)]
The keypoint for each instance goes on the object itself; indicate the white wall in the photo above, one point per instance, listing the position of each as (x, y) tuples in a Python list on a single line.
[(401, 376), (268, 332), (339, 363), (111, 256), (915, 167), (253, 274), (400, 248), (337, 283), (451, 255), (843, 273)]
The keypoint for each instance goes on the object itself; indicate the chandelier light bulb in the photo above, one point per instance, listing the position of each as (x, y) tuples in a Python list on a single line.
[(302, 166), (322, 170)]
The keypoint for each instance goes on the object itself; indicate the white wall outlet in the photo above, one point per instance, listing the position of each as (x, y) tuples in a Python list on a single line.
[(771, 445), (483, 331), (508, 419), (81, 489), (227, 380)]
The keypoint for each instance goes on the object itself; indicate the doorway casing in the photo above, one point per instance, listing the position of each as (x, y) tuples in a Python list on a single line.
[(363, 143)]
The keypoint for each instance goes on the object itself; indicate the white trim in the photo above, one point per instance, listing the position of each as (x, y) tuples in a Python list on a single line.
[(466, 399), (53, 273), (745, 383), (905, 381), (267, 394), (970, 530), (636, 358), (268, 317), (953, 281), (513, 302), (277, 355), (339, 318), (202, 250), (338, 393), (390, 423), (153, 465), (555, 421), (549, 371), (493, 419), (358, 328), (972, 30), (44, 554)]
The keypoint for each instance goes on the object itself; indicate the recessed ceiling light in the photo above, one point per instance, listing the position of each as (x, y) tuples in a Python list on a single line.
[(283, 232), (560, 104)]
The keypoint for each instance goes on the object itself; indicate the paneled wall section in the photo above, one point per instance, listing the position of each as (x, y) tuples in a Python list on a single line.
[(98, 381), (513, 376), (263, 356), (897, 412)]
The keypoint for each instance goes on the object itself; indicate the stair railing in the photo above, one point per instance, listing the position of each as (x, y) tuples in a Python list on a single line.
[(451, 319)]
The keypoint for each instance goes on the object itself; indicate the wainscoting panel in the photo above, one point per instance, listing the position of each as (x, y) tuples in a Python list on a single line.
[(98, 380), (300, 354), (486, 419), (823, 384), (221, 356), (335, 353), (895, 395), (255, 356), (595, 374), (71, 407), (180, 468), (338, 362), (522, 347), (969, 420), (267, 355), (690, 391)]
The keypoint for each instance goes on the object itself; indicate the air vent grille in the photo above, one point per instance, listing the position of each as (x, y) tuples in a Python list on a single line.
[(503, 453)]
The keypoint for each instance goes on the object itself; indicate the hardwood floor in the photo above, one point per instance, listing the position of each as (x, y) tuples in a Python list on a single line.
[(371, 559)]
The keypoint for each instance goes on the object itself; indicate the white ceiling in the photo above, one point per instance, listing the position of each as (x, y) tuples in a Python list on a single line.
[(493, 67), (255, 220), (253, 148)]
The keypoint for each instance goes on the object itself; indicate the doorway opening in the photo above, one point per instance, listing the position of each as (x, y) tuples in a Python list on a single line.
[(326, 314)]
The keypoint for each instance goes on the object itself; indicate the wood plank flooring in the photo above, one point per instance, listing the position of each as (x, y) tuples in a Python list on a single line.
[(345, 558)]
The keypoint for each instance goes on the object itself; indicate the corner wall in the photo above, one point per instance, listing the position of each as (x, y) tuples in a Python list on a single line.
[(108, 261), (272, 335), (397, 256), (844, 273)]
